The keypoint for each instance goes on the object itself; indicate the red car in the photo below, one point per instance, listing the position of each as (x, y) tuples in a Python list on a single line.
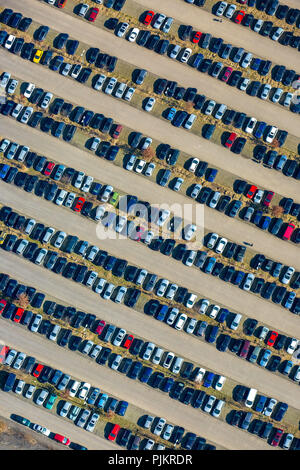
[(196, 37), (18, 315), (230, 140), (251, 191), (239, 17), (128, 341), (288, 232), (37, 370), (62, 439), (61, 3), (276, 438), (117, 131), (245, 348), (78, 204), (3, 304), (100, 327), (114, 432), (148, 17), (93, 14), (3, 352), (272, 338), (268, 198), (227, 72), (48, 168)]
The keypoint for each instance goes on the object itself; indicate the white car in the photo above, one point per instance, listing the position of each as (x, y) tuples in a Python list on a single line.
[(276, 95), (157, 356), (221, 245), (189, 231), (162, 287), (84, 390), (149, 169), (287, 276), (148, 351), (41, 429), (70, 200), (190, 326), (149, 103), (258, 196), (40, 399), (277, 33), (19, 360), (217, 409), (128, 94), (133, 34), (75, 70), (119, 337), (190, 121), (11, 88), (65, 409), (130, 162), (140, 165), (160, 18), (29, 226), (214, 311), (107, 291), (60, 197), (36, 323), (171, 291), (250, 125), (248, 281), (26, 114), (30, 391), (168, 360), (159, 427), (121, 29), (166, 434), (163, 216), (87, 183), (46, 100), (292, 346), (220, 382), (59, 239), (270, 136), (189, 257), (229, 11), (209, 404), (120, 223), (74, 388), (221, 8), (244, 83), (9, 41), (257, 26), (19, 387), (119, 90), (99, 82), (180, 321), (204, 306), (190, 300), (199, 374), (105, 195), (4, 79), (185, 55), (28, 92), (263, 333), (4, 145), (268, 410), (110, 85), (172, 315), (264, 92), (212, 240), (193, 165)]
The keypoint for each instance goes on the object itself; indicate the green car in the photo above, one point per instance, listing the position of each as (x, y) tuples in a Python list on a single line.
[(114, 198), (21, 420), (50, 402)]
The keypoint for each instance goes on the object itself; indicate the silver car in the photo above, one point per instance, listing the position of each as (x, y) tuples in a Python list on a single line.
[(16, 111), (36, 323), (209, 107), (40, 399), (116, 362), (30, 391), (11, 88), (19, 387), (110, 85), (59, 239), (120, 294), (82, 419), (221, 8), (46, 100), (65, 409), (159, 426), (10, 357), (248, 281), (92, 422), (166, 434), (264, 92), (19, 360), (209, 404), (69, 200), (121, 30), (119, 337), (159, 21), (107, 291), (148, 351), (26, 114), (99, 82), (162, 287)]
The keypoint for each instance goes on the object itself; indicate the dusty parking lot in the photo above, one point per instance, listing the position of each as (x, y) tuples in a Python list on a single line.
[(13, 436)]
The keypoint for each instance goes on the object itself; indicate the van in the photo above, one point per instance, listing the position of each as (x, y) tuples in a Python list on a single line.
[(236, 321), (250, 397), (10, 380)]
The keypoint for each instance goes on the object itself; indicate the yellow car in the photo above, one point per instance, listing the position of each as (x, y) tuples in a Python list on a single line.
[(37, 56), (2, 237)]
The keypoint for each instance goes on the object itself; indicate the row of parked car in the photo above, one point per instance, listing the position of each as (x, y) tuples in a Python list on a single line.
[(265, 28)]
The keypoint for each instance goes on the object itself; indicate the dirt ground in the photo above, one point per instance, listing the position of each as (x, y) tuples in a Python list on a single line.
[(14, 436)]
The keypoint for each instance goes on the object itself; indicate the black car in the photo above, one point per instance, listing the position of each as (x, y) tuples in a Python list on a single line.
[(24, 24), (35, 119), (41, 33), (223, 342), (266, 28), (27, 50), (273, 363), (111, 63), (176, 390), (252, 90), (179, 93), (238, 145), (156, 379), (60, 41), (185, 32), (187, 395), (249, 326), (205, 65), (84, 75), (17, 45), (278, 72), (234, 78), (208, 130), (92, 54), (135, 370), (6, 15), (72, 46), (199, 101), (74, 342), (143, 37)]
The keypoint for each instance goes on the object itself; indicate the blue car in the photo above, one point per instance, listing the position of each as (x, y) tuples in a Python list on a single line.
[(289, 299), (102, 400), (93, 396), (3, 170), (258, 133), (135, 370), (257, 217), (280, 411), (145, 374), (161, 312), (263, 361), (210, 262), (213, 334), (255, 64), (56, 62), (167, 384), (208, 379), (210, 174), (171, 113), (122, 408), (260, 404), (265, 222), (237, 278), (224, 312)]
